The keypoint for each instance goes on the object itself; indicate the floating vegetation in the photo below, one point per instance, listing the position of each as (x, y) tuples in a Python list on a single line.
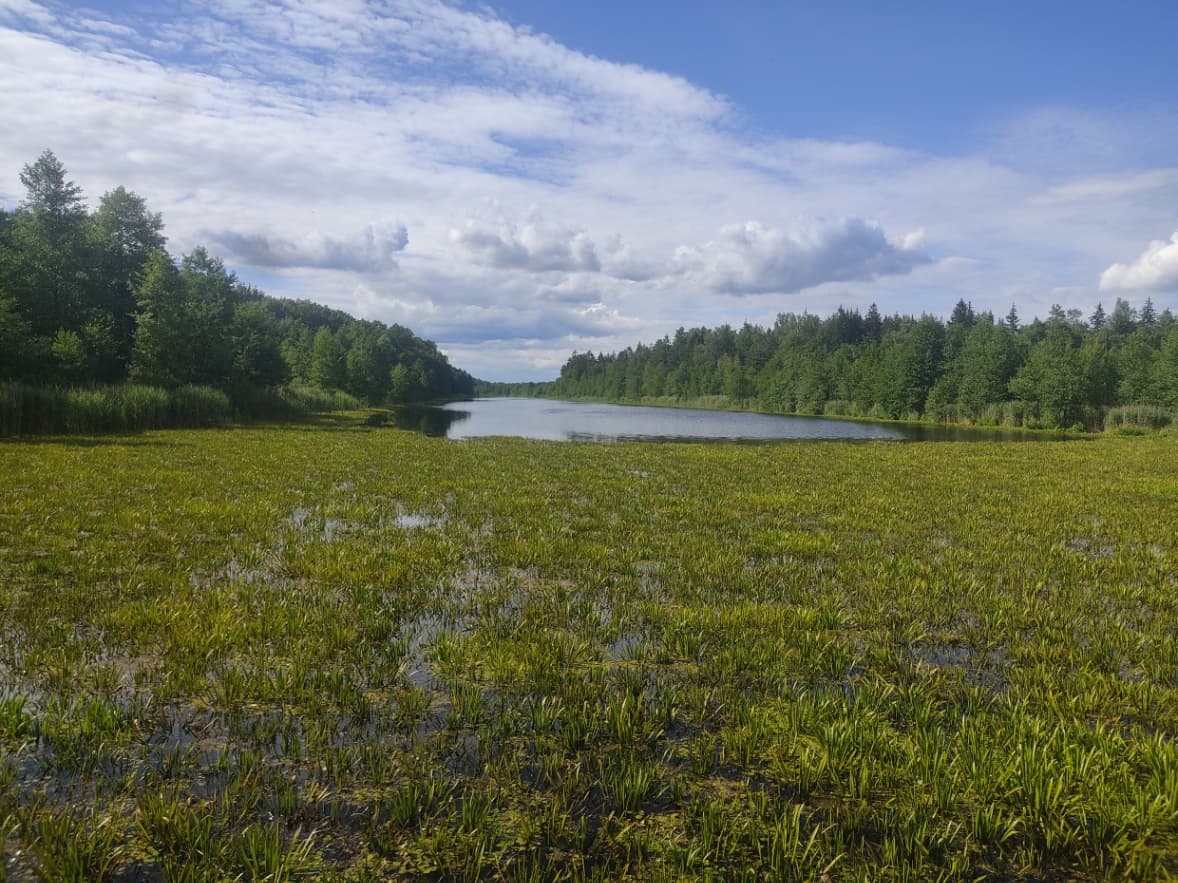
[(360, 653)]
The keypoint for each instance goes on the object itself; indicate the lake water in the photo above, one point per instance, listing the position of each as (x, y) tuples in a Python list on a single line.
[(584, 421)]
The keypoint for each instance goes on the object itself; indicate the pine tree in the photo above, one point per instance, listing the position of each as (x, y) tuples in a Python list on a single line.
[(1012, 319), (873, 324), (1148, 317), (1096, 320)]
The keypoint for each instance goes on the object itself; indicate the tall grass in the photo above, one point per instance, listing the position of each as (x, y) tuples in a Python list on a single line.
[(42, 410), (1138, 417), (312, 400)]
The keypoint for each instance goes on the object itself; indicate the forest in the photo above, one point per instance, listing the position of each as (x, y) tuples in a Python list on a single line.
[(1063, 372), (93, 298)]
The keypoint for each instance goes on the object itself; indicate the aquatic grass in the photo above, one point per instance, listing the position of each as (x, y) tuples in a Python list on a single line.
[(15, 723), (184, 838), (72, 849), (263, 852), (615, 662)]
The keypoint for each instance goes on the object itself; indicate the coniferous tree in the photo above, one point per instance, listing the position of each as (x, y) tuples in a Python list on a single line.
[(1012, 323), (1096, 320)]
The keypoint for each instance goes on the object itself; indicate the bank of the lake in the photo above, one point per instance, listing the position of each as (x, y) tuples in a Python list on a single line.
[(358, 653)]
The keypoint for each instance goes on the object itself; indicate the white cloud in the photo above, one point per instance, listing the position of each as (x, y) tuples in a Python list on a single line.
[(12, 11), (531, 246), (752, 259), (370, 251), (554, 200), (1156, 269), (1111, 188)]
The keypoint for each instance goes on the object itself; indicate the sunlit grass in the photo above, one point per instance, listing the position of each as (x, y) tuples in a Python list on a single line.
[(361, 653)]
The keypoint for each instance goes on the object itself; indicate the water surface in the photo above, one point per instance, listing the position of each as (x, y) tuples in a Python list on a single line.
[(589, 421)]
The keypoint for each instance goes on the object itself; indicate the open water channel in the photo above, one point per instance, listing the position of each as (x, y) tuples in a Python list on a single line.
[(555, 420)]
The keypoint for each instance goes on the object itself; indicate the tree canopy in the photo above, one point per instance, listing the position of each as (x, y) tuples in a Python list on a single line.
[(1057, 372), (94, 297)]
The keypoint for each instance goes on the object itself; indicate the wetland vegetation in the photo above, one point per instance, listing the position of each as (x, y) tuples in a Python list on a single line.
[(358, 653)]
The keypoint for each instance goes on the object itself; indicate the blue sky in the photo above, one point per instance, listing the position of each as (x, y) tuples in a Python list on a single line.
[(516, 180), (928, 75)]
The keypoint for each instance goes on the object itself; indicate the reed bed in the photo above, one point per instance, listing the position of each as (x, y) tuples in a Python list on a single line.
[(357, 653)]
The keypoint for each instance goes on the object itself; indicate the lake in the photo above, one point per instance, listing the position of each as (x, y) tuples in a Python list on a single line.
[(555, 420)]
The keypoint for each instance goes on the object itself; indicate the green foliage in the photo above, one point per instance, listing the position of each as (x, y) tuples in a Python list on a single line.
[(69, 355), (94, 299), (973, 369), (14, 337)]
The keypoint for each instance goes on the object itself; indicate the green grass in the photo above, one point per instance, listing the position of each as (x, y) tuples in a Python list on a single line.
[(238, 655)]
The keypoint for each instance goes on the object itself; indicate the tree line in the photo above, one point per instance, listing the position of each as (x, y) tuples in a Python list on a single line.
[(93, 297), (1064, 371)]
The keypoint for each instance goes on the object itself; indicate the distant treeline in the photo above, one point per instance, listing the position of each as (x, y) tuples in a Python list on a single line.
[(1117, 369), (93, 299)]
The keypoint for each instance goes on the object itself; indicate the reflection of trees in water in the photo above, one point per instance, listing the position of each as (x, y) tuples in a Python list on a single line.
[(428, 421)]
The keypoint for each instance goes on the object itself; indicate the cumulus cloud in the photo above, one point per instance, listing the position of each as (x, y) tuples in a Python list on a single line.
[(620, 260), (752, 259), (530, 246), (1156, 269), (370, 251)]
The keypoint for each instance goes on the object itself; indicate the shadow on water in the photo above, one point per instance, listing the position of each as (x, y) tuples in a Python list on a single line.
[(431, 421)]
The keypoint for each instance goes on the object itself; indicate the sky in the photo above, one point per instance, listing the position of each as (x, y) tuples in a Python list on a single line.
[(520, 180)]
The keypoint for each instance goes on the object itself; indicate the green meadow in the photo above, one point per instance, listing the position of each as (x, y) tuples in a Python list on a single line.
[(356, 653)]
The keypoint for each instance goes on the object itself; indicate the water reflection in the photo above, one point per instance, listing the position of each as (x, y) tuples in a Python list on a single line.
[(436, 422), (585, 421)]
